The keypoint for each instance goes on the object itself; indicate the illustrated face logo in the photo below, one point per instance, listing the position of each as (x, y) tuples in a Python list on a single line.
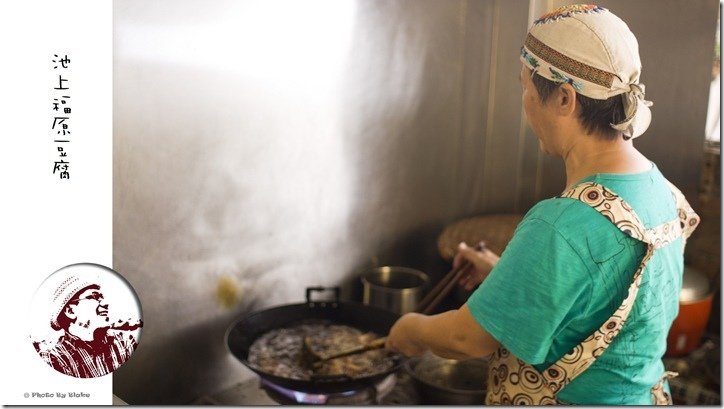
[(87, 321)]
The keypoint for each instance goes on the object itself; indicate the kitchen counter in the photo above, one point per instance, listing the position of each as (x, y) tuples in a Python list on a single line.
[(698, 383)]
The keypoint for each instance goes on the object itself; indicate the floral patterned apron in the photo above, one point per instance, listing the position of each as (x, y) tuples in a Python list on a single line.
[(514, 382)]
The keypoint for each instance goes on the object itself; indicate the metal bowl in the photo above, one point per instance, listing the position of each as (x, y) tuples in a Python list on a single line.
[(448, 381)]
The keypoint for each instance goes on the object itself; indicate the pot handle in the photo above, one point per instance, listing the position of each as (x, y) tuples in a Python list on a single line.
[(311, 290)]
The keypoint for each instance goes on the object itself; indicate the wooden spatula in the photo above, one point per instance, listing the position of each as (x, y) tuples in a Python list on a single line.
[(318, 359)]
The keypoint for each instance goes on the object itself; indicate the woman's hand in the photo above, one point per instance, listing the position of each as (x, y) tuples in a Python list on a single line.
[(403, 336), (481, 263)]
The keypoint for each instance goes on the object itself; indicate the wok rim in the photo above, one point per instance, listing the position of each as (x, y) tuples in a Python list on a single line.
[(320, 385)]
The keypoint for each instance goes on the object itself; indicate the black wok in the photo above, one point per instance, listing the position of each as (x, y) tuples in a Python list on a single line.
[(243, 332)]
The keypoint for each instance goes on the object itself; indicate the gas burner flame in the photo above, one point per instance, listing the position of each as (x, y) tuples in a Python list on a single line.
[(367, 395), (299, 397)]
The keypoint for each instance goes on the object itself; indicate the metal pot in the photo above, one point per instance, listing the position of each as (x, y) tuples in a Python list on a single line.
[(448, 381), (396, 289), (694, 309)]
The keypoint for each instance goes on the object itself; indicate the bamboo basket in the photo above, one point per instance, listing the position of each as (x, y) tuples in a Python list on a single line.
[(495, 230)]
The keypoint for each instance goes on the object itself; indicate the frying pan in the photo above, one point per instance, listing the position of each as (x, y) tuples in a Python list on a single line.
[(244, 331)]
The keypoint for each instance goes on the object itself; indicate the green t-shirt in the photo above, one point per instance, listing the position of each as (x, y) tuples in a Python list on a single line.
[(564, 273)]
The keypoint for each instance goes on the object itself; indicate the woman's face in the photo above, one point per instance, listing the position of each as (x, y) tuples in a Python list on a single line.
[(538, 115)]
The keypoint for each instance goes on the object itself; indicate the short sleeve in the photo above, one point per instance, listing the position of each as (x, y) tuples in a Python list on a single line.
[(537, 288)]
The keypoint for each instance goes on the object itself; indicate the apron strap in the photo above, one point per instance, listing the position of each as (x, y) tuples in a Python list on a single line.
[(616, 210), (611, 206), (688, 218)]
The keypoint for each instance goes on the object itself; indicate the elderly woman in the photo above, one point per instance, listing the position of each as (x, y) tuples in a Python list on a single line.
[(578, 307)]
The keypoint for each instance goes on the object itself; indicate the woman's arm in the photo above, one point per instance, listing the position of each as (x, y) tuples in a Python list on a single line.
[(453, 334)]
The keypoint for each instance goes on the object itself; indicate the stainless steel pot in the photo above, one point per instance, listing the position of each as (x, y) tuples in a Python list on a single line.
[(396, 289), (448, 381)]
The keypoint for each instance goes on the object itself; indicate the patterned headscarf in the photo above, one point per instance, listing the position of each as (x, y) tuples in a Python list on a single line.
[(590, 48)]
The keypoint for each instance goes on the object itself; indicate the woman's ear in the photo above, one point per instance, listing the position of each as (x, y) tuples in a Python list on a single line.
[(566, 100)]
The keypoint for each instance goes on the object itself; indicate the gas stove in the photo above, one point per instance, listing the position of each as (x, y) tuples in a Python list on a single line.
[(396, 389)]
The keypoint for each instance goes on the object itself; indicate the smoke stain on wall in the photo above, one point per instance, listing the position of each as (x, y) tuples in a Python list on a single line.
[(228, 293)]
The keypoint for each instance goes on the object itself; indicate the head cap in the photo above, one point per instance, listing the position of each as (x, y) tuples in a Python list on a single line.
[(592, 49), (66, 291)]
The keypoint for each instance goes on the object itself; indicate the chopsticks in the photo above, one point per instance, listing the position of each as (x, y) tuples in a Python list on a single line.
[(443, 288), (426, 306)]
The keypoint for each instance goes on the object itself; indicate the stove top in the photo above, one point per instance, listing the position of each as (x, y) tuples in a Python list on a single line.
[(396, 389), (365, 396)]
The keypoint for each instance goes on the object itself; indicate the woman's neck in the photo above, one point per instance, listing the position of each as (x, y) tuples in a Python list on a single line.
[(591, 155)]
